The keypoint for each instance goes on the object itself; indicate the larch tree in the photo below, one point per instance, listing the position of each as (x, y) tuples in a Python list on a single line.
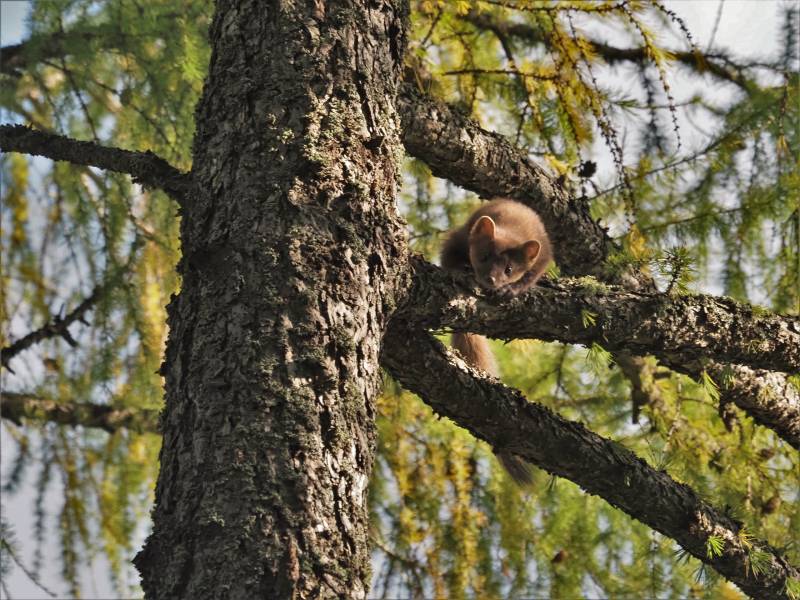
[(224, 224)]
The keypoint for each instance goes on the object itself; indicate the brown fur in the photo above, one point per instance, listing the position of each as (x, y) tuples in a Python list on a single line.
[(516, 467), (505, 246), (475, 350)]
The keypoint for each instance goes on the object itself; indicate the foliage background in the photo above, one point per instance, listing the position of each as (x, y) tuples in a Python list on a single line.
[(697, 176)]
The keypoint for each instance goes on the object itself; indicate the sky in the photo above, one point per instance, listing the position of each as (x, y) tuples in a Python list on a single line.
[(745, 27), (17, 508), (12, 14)]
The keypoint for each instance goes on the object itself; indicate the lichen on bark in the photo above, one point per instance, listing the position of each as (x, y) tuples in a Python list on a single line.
[(291, 253)]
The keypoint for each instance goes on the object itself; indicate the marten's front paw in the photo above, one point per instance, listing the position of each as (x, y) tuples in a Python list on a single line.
[(506, 292)]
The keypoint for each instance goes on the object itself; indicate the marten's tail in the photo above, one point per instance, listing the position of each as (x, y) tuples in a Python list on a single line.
[(475, 349), (519, 470)]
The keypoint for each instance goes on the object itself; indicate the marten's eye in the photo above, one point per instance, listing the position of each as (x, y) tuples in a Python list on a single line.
[(486, 257), (509, 268)]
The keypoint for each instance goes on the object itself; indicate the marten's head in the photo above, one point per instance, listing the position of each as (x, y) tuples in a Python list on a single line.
[(495, 261)]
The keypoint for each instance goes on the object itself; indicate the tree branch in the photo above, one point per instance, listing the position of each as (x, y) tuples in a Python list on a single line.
[(504, 418), (56, 44), (701, 63), (768, 397), (56, 327), (678, 330), (53, 45), (145, 167), (639, 372), (456, 148), (16, 406)]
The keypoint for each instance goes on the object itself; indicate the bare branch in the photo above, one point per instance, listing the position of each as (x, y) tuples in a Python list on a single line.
[(56, 327), (145, 167), (59, 326), (766, 396), (56, 44), (716, 64), (678, 330), (639, 371), (15, 407), (504, 418), (15, 57)]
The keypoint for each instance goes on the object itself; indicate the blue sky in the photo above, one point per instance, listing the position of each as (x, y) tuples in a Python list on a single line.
[(12, 17)]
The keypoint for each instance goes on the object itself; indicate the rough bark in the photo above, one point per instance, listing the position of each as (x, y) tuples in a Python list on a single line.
[(490, 165), (483, 168), (766, 396), (504, 418), (291, 261), (689, 334), (678, 330), (145, 167), (17, 406), (291, 251)]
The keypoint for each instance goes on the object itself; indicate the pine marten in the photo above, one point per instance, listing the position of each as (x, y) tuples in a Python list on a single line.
[(505, 245)]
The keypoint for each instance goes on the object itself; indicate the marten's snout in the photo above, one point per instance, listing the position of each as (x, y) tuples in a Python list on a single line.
[(487, 282), (491, 282)]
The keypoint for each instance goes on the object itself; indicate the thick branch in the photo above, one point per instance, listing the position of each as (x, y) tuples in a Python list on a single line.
[(145, 167), (678, 330), (456, 148), (766, 396), (15, 407), (505, 419)]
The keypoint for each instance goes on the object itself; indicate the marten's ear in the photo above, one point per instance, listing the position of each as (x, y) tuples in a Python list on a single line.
[(530, 250), (483, 228)]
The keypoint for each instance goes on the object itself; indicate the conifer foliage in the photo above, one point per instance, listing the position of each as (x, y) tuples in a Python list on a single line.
[(652, 380)]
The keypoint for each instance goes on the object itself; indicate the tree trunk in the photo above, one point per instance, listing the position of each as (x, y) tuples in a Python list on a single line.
[(292, 254)]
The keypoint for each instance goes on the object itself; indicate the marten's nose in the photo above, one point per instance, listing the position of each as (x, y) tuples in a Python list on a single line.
[(491, 280)]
